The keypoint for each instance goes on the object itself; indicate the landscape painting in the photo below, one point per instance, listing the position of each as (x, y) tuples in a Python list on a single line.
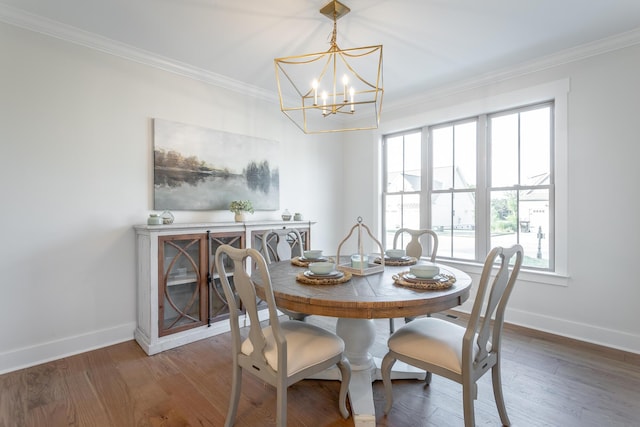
[(196, 168)]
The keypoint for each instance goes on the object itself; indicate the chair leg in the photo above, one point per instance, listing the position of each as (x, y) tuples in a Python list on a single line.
[(234, 397), (469, 391), (385, 368), (391, 326), (496, 379), (281, 405), (345, 371), (427, 378)]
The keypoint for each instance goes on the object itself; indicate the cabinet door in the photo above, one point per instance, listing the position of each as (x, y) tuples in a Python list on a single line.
[(182, 286), (218, 307)]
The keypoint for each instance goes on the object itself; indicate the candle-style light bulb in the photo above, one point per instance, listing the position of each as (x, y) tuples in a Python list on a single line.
[(352, 92), (314, 85), (345, 81), (324, 102)]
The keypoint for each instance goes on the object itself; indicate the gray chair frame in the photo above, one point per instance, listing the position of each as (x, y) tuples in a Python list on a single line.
[(281, 244), (481, 338), (415, 249), (276, 335)]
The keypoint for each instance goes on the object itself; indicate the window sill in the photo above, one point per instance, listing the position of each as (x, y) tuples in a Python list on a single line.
[(531, 276)]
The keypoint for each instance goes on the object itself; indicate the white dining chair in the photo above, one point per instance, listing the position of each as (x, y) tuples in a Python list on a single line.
[(281, 244), (462, 354), (414, 248), (280, 354)]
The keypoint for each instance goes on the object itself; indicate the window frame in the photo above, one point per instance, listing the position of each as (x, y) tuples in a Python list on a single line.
[(556, 91)]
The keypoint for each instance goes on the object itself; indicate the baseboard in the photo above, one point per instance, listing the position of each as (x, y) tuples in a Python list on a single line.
[(52, 350), (593, 334)]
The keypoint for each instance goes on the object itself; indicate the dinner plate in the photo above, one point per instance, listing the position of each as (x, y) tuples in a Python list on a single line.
[(321, 259), (335, 274), (413, 278), (402, 258)]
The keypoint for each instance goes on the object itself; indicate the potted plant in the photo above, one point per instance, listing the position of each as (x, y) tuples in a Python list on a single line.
[(239, 207)]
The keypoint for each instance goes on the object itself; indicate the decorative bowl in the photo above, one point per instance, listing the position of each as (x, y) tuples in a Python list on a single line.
[(425, 270), (313, 254), (395, 253), (321, 267)]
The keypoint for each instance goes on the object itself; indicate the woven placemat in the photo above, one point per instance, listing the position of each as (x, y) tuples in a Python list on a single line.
[(441, 281), (300, 277), (397, 262), (299, 262)]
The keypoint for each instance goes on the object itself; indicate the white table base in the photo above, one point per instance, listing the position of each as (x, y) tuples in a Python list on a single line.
[(359, 336)]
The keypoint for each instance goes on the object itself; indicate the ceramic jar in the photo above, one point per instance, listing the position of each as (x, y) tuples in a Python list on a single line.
[(154, 219)]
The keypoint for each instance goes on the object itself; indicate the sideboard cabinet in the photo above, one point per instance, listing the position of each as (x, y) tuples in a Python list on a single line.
[(180, 298)]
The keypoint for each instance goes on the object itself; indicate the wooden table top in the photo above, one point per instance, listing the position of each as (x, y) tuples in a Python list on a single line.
[(364, 297)]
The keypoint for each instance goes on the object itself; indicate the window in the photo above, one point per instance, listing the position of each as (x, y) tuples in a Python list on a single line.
[(403, 172), (480, 182)]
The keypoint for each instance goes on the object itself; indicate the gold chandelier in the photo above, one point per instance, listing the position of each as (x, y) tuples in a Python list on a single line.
[(333, 91)]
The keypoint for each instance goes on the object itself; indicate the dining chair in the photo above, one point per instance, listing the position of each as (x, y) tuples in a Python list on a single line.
[(281, 244), (280, 354), (462, 354), (415, 249)]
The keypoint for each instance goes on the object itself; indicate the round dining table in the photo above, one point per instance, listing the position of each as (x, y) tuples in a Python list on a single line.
[(356, 303)]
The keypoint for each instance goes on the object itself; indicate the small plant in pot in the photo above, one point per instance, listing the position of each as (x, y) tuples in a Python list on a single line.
[(239, 207)]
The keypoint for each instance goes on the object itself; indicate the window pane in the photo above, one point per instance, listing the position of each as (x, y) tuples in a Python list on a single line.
[(464, 225), (441, 221), (393, 217), (412, 162), (534, 227), (465, 155), (535, 146), (402, 211), (442, 158), (504, 150), (394, 164)]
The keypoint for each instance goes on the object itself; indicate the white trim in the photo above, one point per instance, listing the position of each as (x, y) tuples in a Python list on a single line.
[(75, 35), (39, 24), (56, 349)]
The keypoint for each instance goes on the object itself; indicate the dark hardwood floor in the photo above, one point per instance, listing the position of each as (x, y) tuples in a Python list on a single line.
[(547, 380)]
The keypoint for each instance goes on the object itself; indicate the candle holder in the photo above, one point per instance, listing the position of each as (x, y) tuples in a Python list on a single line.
[(360, 264)]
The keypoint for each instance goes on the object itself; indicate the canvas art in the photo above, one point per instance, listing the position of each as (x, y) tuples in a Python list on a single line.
[(196, 168)]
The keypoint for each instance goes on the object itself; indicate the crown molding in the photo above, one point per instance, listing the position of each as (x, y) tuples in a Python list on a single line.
[(75, 35), (578, 53), (28, 21)]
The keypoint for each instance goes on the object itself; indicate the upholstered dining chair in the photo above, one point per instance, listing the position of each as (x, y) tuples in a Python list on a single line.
[(462, 354), (281, 244), (414, 248), (281, 353)]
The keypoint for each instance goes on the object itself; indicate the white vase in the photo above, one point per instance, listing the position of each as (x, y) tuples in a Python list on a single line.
[(239, 217)]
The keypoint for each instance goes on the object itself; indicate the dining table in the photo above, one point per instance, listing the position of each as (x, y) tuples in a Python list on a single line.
[(355, 303)]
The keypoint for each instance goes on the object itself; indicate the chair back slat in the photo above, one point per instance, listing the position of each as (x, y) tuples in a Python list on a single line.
[(415, 248), (243, 293), (484, 327), (281, 244)]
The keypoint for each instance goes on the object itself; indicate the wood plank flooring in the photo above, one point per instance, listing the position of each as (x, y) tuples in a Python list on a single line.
[(547, 380)]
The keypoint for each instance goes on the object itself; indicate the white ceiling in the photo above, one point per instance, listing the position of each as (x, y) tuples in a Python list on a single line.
[(427, 44)]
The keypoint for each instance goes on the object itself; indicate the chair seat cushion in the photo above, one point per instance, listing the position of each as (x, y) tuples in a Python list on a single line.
[(307, 345), (433, 340)]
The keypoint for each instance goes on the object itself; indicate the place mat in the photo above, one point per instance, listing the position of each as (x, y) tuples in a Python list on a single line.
[(396, 262), (304, 262), (302, 278), (441, 281)]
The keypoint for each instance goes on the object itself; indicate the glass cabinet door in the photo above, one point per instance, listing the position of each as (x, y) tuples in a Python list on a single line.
[(218, 307), (182, 282)]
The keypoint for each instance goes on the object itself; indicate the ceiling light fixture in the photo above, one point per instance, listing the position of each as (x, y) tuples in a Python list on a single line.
[(333, 91)]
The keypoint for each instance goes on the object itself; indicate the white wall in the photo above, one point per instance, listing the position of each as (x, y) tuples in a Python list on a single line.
[(598, 302), (76, 175)]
